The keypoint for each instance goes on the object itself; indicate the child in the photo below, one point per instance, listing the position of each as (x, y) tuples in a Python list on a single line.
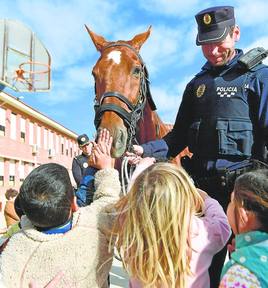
[(248, 213), (163, 239), (9, 212), (57, 236)]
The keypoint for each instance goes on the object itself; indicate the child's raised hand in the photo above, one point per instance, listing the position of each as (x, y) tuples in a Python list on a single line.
[(142, 165), (105, 140), (101, 154), (145, 163), (52, 284)]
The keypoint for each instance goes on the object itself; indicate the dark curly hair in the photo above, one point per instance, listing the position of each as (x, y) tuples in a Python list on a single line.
[(251, 192), (11, 193)]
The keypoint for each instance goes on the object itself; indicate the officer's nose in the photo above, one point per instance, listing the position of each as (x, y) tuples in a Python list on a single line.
[(213, 49)]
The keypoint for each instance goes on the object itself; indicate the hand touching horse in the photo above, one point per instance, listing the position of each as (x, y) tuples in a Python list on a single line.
[(123, 102)]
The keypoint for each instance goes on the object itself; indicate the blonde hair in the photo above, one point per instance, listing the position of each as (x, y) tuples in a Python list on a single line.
[(152, 226)]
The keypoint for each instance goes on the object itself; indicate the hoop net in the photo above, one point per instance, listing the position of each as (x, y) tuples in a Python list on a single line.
[(30, 73)]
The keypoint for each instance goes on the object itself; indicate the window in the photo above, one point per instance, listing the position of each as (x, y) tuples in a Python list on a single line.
[(11, 173), (50, 140), (22, 137), (11, 180), (62, 149), (21, 171), (57, 144), (31, 133), (67, 147), (30, 167), (2, 121), (13, 126), (71, 152), (22, 130), (1, 171), (38, 142), (2, 130), (45, 138)]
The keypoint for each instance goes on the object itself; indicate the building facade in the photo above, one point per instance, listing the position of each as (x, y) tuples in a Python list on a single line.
[(28, 139)]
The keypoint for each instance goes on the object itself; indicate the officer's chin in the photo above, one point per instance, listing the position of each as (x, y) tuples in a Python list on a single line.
[(218, 62)]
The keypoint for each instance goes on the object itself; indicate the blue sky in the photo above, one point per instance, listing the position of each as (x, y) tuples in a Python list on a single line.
[(171, 56)]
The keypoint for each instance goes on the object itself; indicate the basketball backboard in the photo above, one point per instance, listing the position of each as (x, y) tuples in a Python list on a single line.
[(24, 60)]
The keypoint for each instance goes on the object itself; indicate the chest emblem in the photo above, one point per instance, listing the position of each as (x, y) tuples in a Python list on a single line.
[(200, 90), (226, 91), (85, 165)]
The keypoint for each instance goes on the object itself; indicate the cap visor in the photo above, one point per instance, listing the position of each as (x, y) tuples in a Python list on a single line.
[(213, 36), (85, 144)]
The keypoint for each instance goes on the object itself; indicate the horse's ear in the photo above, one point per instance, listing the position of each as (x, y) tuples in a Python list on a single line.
[(139, 39), (98, 41)]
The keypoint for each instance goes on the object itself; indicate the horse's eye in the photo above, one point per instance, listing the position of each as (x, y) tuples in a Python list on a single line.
[(136, 71)]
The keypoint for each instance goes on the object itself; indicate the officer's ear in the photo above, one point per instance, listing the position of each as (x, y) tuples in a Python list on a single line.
[(236, 33)]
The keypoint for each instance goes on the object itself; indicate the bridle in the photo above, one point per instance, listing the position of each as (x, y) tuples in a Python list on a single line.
[(136, 110)]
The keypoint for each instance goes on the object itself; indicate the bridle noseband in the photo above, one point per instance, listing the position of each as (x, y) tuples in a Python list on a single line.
[(130, 118)]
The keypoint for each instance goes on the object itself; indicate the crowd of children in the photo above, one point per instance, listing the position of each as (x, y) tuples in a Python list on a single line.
[(165, 229)]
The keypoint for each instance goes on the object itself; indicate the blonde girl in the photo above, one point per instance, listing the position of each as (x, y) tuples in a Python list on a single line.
[(160, 232)]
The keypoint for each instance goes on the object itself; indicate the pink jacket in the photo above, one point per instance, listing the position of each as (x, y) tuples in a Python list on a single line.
[(209, 235)]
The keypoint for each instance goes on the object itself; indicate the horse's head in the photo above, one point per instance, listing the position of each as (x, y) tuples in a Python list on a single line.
[(121, 86)]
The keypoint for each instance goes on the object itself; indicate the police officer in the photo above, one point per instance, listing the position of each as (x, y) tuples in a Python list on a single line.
[(80, 162), (223, 116)]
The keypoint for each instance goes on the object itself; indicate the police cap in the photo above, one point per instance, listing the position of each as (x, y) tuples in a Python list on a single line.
[(214, 24), (82, 140)]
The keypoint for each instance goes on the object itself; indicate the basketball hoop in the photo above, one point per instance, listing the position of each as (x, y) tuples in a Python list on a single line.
[(28, 74)]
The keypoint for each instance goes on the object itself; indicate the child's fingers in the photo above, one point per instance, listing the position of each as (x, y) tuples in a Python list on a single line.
[(101, 147), (110, 142), (51, 284), (97, 151), (55, 281), (100, 137), (106, 134), (93, 158)]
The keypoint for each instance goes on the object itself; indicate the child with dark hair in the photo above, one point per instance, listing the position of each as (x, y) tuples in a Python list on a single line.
[(56, 236), (248, 213), (9, 211)]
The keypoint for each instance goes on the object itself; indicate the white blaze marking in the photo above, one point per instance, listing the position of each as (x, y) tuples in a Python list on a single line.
[(115, 56)]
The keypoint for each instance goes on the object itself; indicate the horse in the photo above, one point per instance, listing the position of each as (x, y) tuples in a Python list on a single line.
[(123, 101)]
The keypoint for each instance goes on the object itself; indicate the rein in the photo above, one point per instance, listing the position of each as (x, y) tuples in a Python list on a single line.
[(136, 110)]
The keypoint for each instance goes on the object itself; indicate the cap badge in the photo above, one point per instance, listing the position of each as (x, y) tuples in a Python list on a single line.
[(83, 139), (207, 19), (200, 90)]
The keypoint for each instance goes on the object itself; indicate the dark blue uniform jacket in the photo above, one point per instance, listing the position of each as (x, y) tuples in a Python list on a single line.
[(223, 116)]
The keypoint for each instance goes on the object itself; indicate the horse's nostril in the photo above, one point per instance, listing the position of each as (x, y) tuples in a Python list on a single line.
[(121, 137)]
